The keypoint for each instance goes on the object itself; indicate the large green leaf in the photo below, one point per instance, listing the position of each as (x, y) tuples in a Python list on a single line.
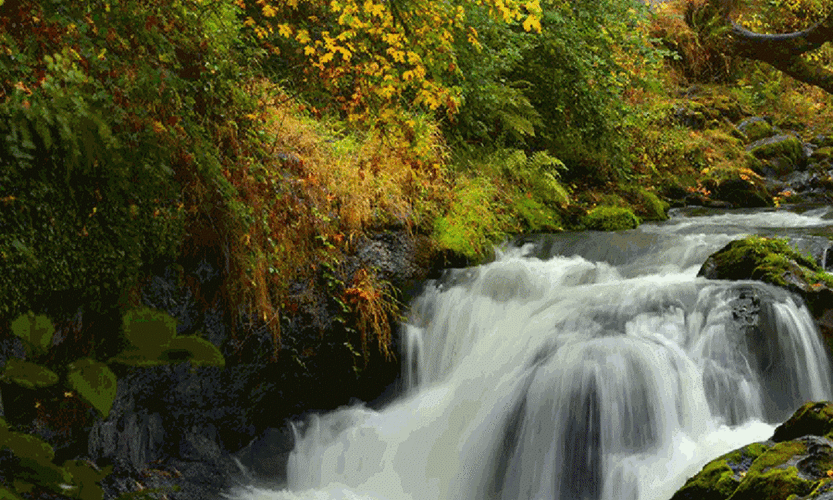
[(36, 332), (95, 384), (27, 446), (28, 374), (148, 329), (199, 351), (6, 494)]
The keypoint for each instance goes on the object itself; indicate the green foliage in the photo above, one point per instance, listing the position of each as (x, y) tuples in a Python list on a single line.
[(34, 467), (199, 352), (108, 111), (95, 384), (148, 329), (153, 341), (472, 222), (28, 374), (606, 218), (35, 331)]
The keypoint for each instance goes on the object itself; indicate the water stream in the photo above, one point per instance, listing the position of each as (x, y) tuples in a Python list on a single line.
[(576, 366)]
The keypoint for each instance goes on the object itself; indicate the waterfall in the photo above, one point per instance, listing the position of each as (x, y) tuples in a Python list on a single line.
[(576, 366)]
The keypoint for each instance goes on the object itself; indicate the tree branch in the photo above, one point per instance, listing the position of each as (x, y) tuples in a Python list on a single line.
[(783, 51)]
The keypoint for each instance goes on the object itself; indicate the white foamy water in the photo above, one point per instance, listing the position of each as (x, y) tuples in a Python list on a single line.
[(583, 366)]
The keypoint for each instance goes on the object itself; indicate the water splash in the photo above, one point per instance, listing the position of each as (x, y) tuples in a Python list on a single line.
[(566, 371)]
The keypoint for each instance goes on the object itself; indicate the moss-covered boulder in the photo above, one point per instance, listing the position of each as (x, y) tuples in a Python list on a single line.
[(784, 152), (739, 186), (606, 218), (796, 463), (756, 128), (722, 476), (812, 419), (773, 261)]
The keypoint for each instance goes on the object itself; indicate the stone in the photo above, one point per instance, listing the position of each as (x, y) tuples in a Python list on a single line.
[(756, 128), (785, 146)]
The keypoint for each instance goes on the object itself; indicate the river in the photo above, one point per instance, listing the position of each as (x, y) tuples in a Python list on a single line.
[(576, 366)]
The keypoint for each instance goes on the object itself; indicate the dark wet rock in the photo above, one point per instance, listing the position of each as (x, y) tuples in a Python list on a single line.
[(739, 192), (756, 128), (266, 457)]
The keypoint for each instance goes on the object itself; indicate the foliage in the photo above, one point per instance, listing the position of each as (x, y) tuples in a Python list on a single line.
[(94, 382), (103, 125), (472, 222), (588, 58), (370, 59)]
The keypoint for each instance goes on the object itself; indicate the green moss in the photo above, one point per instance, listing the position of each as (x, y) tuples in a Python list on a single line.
[(758, 129), (760, 258), (650, 207), (534, 216), (606, 218), (717, 480), (823, 153), (786, 146), (774, 484), (811, 419)]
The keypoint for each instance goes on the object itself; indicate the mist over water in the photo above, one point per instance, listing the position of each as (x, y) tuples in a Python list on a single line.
[(576, 366)]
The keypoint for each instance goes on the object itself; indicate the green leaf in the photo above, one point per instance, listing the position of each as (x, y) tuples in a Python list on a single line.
[(148, 329), (36, 331), (199, 351), (95, 384), (87, 478), (136, 357), (29, 375), (27, 446)]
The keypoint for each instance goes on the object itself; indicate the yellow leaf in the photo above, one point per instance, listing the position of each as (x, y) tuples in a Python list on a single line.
[(285, 30), (532, 24), (326, 58), (309, 50), (269, 11), (303, 37)]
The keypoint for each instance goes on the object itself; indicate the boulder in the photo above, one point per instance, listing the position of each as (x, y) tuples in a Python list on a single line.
[(796, 462), (756, 128), (777, 262), (783, 152)]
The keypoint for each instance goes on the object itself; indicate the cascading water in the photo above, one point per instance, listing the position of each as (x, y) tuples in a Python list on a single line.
[(576, 366)]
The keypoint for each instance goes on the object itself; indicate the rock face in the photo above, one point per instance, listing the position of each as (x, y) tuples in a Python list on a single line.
[(184, 429), (796, 462)]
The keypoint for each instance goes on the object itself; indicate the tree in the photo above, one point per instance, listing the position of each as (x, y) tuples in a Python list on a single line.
[(784, 51)]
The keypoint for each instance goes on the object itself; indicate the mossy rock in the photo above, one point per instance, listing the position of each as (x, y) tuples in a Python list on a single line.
[(606, 218), (742, 187), (779, 146), (821, 154), (650, 206), (812, 419), (720, 478), (756, 128), (756, 258), (774, 484)]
